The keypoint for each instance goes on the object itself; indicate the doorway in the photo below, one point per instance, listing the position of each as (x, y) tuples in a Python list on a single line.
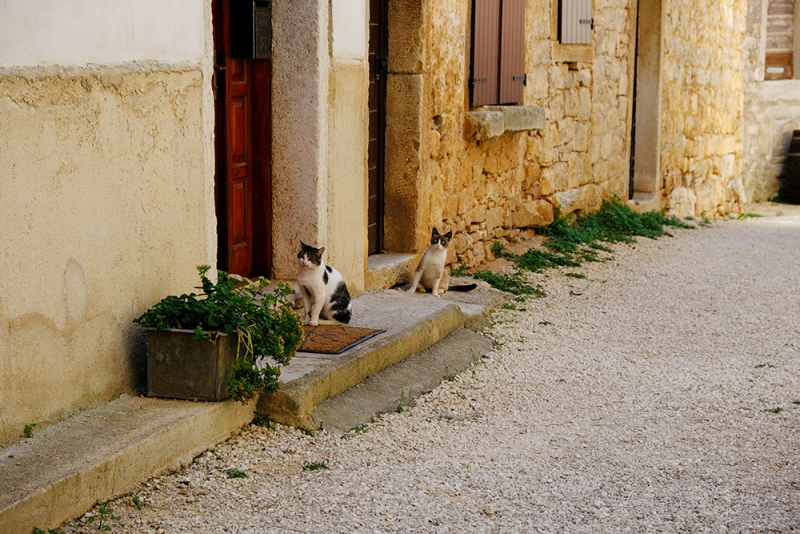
[(378, 61), (242, 185), (646, 115)]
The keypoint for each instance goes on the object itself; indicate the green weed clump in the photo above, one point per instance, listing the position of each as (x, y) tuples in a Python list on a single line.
[(315, 466), (572, 242), (614, 223), (510, 283)]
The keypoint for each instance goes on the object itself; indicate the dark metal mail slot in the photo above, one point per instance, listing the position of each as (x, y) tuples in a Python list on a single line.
[(251, 29), (478, 80)]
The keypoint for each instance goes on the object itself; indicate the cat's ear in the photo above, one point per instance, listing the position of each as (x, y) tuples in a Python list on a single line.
[(320, 251), (303, 244), (449, 234), (435, 231)]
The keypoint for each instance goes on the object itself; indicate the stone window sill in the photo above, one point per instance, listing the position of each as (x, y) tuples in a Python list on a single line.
[(493, 121), (568, 53)]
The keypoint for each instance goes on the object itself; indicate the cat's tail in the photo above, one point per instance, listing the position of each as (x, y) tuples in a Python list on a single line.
[(464, 288)]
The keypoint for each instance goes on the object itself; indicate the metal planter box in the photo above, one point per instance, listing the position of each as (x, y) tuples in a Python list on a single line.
[(180, 367)]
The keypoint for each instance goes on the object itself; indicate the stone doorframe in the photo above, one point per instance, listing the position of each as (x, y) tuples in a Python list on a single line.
[(405, 112), (649, 20)]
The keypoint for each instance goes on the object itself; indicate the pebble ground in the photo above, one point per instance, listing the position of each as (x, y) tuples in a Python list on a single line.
[(660, 393)]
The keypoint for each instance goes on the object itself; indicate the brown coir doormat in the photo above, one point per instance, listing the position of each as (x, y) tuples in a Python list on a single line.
[(334, 339)]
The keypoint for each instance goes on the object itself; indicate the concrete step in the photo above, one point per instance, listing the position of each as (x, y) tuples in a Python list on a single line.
[(414, 376), (412, 323), (99, 454)]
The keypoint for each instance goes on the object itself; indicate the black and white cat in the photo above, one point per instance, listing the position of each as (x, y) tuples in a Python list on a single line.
[(430, 273), (325, 296)]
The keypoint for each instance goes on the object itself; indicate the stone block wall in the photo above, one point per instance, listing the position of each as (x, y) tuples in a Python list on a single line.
[(702, 105), (771, 111), (492, 188)]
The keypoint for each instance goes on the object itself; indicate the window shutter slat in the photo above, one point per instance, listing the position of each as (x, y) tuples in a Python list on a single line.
[(780, 40), (512, 52), (485, 51), (576, 21)]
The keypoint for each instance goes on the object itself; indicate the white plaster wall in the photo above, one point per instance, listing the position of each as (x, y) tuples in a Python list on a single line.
[(107, 197), (76, 32), (350, 26)]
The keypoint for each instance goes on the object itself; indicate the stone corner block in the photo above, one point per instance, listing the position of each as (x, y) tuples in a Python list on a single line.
[(534, 214), (483, 125), (521, 118)]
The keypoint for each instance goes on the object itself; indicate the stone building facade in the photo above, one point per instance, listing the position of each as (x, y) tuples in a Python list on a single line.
[(485, 181), (771, 106), (109, 197)]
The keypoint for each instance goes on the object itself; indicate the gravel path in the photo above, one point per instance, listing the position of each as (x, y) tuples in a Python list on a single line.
[(659, 394)]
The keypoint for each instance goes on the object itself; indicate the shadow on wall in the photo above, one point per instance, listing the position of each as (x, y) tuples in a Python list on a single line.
[(137, 359), (790, 176)]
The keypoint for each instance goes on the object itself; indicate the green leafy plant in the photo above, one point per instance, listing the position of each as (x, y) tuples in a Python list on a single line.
[(104, 515), (266, 325), (401, 402), (263, 420), (461, 270), (450, 377), (762, 365), (356, 430), (513, 282), (38, 530), (477, 360), (28, 430), (743, 216), (138, 502), (774, 410), (308, 432), (314, 466), (575, 275), (235, 473), (572, 241)]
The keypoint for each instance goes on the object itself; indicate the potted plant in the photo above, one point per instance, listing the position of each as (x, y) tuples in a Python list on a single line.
[(217, 344)]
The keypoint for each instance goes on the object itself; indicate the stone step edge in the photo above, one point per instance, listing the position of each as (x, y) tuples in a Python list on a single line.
[(293, 404), (113, 475)]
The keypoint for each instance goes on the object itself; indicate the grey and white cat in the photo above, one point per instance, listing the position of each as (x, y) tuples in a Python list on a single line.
[(325, 296), (430, 273)]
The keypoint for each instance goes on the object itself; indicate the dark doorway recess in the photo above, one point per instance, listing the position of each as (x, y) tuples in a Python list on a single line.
[(378, 54), (242, 187), (633, 110)]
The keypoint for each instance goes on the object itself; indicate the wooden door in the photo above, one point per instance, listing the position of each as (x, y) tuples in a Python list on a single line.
[(378, 54), (242, 129)]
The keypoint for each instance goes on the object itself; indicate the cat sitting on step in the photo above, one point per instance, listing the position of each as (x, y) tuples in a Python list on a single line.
[(430, 273), (325, 296)]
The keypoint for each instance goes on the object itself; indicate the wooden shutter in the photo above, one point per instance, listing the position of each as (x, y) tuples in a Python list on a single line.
[(485, 51), (780, 40), (575, 22), (512, 52)]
